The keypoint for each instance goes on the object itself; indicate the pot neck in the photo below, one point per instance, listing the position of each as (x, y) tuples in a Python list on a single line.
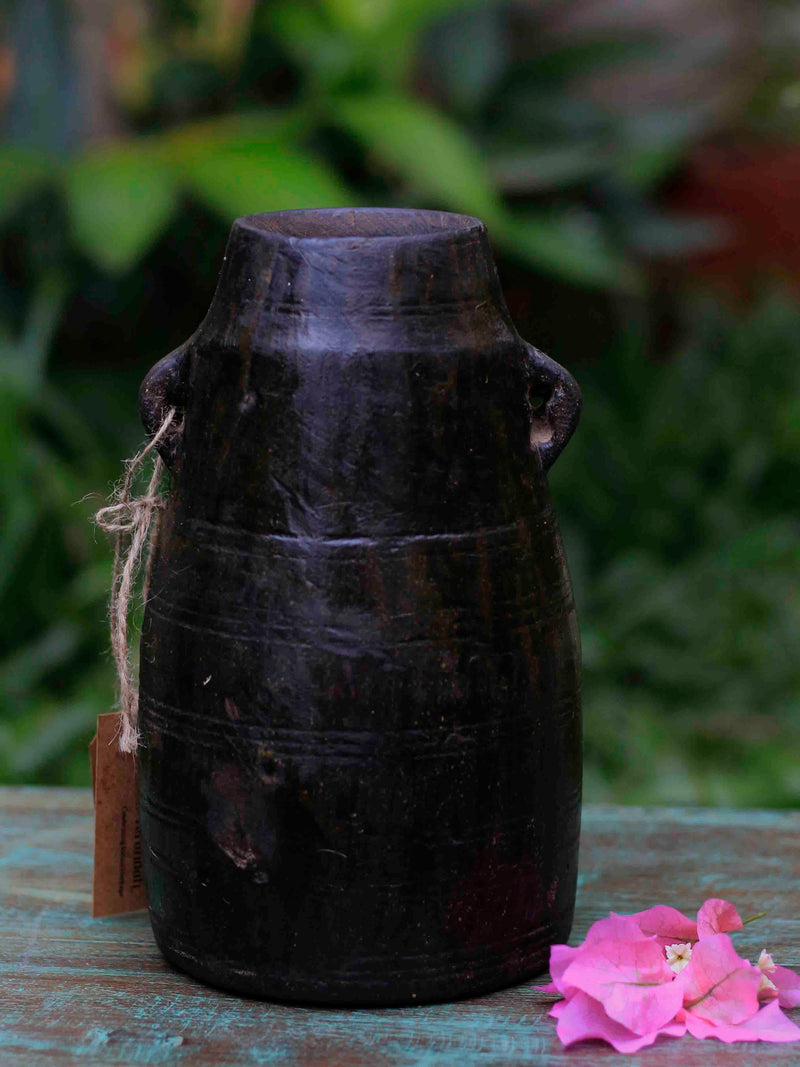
[(358, 265)]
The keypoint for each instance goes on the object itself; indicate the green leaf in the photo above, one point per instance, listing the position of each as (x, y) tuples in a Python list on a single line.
[(47, 652), (22, 362), (347, 42), (22, 172), (324, 55), (55, 728), (359, 16), (470, 53), (119, 201), (398, 43), (371, 17), (182, 146), (570, 246), (417, 14), (424, 147), (236, 180)]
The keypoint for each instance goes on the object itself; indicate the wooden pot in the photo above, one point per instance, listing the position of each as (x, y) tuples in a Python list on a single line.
[(360, 760)]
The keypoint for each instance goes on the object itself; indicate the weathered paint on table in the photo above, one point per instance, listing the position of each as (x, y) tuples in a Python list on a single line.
[(73, 987)]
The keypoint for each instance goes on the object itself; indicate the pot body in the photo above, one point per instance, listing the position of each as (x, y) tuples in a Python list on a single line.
[(360, 754)]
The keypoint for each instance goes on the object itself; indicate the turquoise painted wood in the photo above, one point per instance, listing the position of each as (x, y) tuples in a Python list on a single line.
[(73, 988)]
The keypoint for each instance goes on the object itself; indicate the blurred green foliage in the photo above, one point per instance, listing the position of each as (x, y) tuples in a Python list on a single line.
[(496, 135), (678, 498), (54, 577), (676, 494)]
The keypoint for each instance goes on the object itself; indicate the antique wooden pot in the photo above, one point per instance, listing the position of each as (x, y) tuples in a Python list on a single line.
[(361, 754)]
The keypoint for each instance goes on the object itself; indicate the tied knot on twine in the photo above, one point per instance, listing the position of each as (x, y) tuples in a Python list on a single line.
[(134, 521)]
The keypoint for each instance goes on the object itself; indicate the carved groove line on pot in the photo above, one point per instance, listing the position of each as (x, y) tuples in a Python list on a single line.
[(188, 821), (186, 818), (403, 892), (432, 733), (441, 309), (336, 640), (214, 535), (264, 730), (387, 746), (435, 625)]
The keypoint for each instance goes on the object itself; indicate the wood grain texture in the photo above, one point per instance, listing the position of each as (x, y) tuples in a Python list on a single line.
[(360, 755), (76, 988)]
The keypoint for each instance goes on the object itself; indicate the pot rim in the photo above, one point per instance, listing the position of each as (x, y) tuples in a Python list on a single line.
[(362, 224)]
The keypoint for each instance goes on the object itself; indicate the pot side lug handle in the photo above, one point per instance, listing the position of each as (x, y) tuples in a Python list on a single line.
[(555, 399), (163, 388)]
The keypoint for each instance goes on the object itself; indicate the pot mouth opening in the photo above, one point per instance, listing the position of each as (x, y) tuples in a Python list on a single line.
[(360, 223)]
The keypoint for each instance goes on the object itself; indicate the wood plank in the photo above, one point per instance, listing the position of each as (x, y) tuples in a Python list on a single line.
[(77, 988)]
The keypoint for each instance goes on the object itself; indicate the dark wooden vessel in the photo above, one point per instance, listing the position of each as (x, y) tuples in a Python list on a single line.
[(361, 757)]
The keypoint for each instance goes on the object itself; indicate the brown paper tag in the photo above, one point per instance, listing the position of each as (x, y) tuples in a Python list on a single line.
[(118, 885)]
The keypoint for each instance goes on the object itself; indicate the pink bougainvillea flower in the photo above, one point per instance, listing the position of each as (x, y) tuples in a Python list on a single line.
[(786, 983), (582, 1017), (768, 1024), (658, 972), (632, 981), (719, 986), (717, 917)]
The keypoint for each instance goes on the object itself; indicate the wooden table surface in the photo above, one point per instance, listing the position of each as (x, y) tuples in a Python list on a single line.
[(73, 987)]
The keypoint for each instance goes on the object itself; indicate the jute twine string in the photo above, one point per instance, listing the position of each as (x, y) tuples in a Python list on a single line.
[(134, 521)]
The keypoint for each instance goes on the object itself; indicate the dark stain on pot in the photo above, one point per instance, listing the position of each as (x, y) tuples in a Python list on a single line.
[(360, 701)]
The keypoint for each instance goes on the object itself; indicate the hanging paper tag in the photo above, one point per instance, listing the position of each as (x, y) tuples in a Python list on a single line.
[(118, 885)]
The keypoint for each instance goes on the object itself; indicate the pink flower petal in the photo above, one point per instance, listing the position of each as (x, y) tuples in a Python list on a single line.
[(718, 985), (614, 928), (582, 1017), (768, 1024), (667, 924), (788, 985), (632, 981), (561, 956), (716, 916)]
